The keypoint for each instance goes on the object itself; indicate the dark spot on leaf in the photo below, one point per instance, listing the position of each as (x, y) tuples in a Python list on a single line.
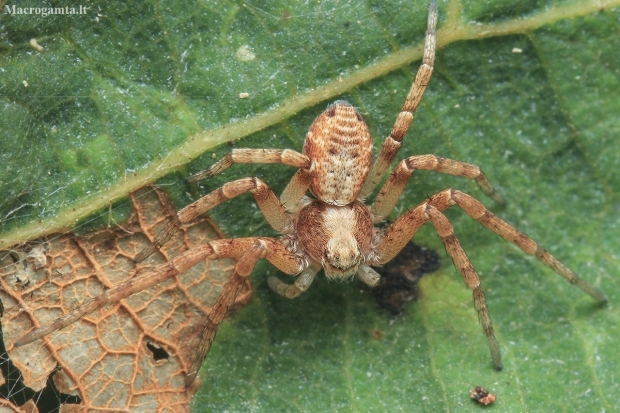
[(399, 277), (157, 352)]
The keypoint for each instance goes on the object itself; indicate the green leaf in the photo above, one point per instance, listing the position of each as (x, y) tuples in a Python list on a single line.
[(136, 92)]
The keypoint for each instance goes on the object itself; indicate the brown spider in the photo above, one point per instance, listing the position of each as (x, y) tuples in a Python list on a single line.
[(335, 229)]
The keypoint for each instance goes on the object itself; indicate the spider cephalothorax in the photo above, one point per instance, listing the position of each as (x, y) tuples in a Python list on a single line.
[(337, 237), (335, 230)]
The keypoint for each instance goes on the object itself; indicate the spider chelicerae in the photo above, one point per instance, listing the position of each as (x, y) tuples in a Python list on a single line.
[(334, 230)]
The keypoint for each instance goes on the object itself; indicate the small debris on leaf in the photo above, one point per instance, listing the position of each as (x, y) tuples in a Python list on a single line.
[(35, 45), (482, 396)]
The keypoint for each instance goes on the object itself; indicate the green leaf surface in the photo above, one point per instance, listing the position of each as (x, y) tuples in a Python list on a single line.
[(137, 92)]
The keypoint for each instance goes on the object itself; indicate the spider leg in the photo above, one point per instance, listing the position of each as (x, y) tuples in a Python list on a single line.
[(477, 211), (296, 189), (393, 188), (401, 231), (392, 143), (285, 156), (265, 198), (461, 262), (242, 271), (275, 252)]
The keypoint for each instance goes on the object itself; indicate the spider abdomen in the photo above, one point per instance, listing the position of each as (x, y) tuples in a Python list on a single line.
[(340, 146)]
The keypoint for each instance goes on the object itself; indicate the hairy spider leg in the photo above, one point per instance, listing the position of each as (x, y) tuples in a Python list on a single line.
[(267, 201), (405, 227), (394, 186), (275, 252), (392, 142)]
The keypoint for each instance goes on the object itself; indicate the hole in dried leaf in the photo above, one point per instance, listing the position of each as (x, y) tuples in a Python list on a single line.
[(157, 352)]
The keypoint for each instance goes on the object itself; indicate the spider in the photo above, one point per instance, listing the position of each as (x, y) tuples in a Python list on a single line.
[(334, 230)]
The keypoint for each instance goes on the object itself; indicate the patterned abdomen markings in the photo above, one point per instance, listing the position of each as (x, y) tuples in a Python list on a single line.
[(340, 146)]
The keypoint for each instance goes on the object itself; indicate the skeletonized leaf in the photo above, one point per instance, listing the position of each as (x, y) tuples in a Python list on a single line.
[(128, 356)]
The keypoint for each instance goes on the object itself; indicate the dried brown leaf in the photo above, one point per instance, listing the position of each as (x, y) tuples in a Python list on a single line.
[(129, 356)]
